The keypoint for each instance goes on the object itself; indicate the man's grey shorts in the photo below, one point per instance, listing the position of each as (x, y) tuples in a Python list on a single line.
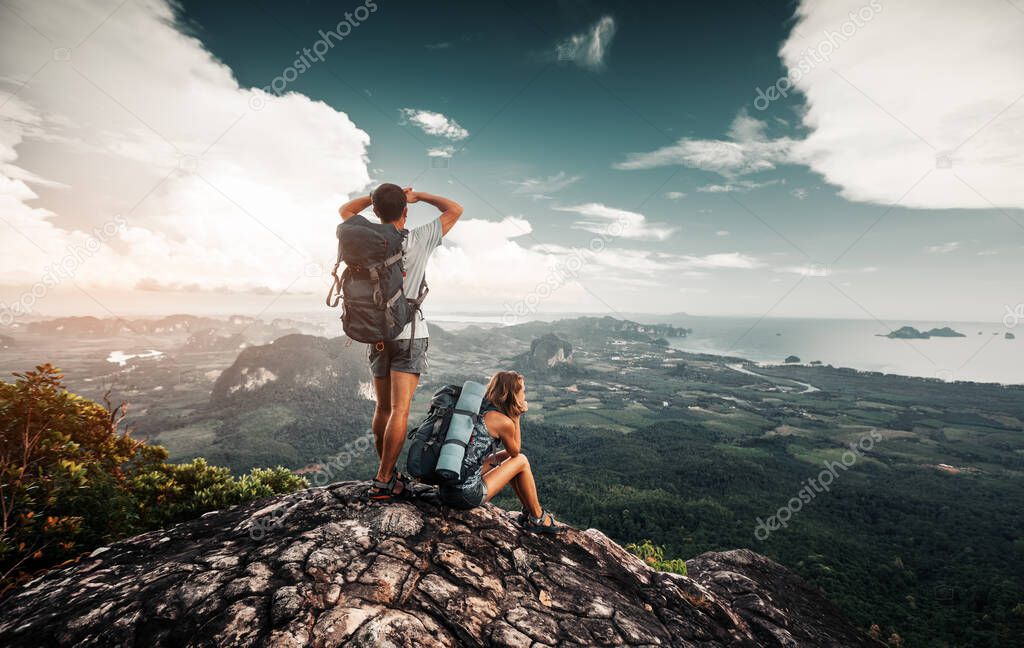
[(398, 356)]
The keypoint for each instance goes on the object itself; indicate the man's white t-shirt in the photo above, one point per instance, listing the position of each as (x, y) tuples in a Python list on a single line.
[(419, 245)]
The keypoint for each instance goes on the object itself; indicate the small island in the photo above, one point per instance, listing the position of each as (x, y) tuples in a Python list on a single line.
[(792, 360), (1009, 336), (911, 333)]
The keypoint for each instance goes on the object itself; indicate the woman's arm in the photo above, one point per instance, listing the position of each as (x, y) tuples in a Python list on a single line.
[(493, 461), (507, 430)]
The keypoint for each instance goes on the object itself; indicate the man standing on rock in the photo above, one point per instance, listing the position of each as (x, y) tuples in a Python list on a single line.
[(396, 369)]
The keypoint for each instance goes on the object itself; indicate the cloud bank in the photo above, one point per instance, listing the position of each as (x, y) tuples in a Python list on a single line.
[(921, 89), (914, 105), (135, 120)]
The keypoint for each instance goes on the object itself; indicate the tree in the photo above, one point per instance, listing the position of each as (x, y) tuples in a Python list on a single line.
[(71, 479)]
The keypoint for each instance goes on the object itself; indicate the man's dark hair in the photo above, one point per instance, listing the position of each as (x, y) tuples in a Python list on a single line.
[(388, 202)]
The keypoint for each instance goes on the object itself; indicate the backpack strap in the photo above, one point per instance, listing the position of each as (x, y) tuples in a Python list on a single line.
[(473, 415), (424, 289), (375, 272), (387, 306), (334, 292), (416, 303)]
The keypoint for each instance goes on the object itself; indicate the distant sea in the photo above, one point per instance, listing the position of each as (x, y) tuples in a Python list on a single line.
[(983, 356)]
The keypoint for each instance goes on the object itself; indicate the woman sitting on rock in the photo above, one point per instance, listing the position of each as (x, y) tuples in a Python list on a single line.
[(503, 405)]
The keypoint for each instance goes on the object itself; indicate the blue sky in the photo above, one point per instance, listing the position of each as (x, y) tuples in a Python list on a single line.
[(611, 156)]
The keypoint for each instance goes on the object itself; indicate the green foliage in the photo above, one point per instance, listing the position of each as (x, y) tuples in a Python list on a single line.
[(171, 493), (654, 556), (71, 479), (885, 531)]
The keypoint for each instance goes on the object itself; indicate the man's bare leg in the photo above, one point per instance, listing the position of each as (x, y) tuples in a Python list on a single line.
[(403, 385), (382, 388)]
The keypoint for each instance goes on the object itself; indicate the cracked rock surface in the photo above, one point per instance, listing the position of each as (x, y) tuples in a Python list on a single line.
[(322, 568)]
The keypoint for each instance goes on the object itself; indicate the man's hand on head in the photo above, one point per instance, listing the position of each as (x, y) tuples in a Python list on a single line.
[(450, 210)]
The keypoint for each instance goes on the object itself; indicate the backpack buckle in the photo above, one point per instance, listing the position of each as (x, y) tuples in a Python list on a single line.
[(379, 346)]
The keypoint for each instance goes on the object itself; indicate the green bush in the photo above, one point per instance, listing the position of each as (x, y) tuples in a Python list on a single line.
[(71, 479), (654, 556)]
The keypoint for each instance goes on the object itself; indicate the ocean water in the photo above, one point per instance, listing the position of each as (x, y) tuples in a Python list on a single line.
[(985, 355)]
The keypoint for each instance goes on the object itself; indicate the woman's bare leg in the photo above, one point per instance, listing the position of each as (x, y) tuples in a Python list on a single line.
[(516, 469)]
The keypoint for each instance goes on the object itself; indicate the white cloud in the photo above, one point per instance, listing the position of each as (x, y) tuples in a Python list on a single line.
[(213, 180), (806, 270), (800, 193), (722, 233), (472, 269), (920, 107), (914, 88), (441, 151), (434, 123), (734, 260), (541, 187), (488, 264), (609, 261), (588, 49), (738, 186), (747, 150), (675, 195), (944, 248), (602, 219)]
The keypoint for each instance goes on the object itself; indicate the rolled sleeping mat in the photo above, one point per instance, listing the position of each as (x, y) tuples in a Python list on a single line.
[(453, 451)]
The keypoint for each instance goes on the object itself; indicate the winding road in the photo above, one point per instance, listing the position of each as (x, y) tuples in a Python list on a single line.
[(808, 388)]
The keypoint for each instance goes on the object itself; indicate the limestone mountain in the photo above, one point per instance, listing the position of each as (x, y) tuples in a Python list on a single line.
[(294, 402), (294, 367), (211, 340), (323, 568), (547, 353)]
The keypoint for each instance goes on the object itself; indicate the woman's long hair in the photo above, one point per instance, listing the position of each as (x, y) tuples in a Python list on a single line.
[(506, 392)]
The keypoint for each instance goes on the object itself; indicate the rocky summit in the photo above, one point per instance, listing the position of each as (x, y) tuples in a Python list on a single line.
[(322, 568)]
